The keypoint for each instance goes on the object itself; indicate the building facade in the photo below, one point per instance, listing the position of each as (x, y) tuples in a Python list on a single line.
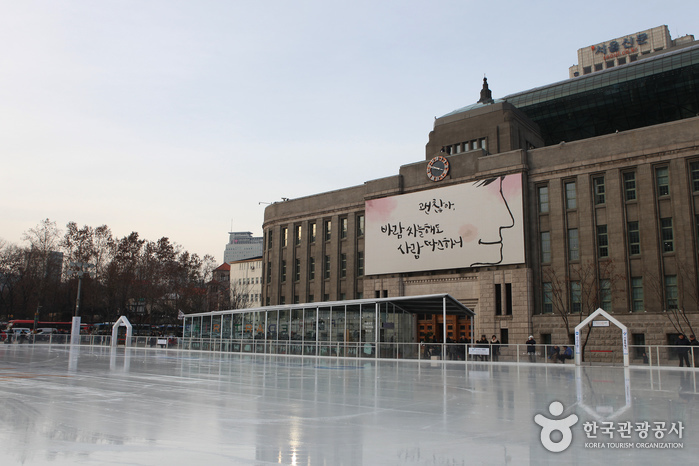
[(242, 245), (246, 283), (588, 194)]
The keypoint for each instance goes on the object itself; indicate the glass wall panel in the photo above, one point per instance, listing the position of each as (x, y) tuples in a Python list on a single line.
[(216, 327), (324, 331), (226, 326), (309, 333), (296, 331), (368, 334), (352, 332)]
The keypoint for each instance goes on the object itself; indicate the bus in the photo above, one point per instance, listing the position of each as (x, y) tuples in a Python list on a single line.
[(61, 327)]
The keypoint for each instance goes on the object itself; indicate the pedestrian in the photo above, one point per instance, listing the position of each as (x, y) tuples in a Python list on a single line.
[(555, 353), (566, 354), (494, 348), (683, 350), (531, 348), (482, 343), (695, 351)]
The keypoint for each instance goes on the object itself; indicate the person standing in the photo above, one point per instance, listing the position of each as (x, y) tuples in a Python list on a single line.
[(695, 351), (683, 350), (531, 348), (494, 348)]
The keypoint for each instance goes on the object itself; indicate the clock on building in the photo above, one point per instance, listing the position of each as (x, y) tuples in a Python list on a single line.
[(438, 168)]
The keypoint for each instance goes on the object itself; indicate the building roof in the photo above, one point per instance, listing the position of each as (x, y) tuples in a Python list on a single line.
[(224, 266), (426, 304)]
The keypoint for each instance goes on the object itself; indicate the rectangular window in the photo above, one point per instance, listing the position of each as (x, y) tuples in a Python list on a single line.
[(671, 292), (573, 245), (508, 299), (638, 340), (311, 268), (297, 236), (543, 199), (548, 298), (630, 186), (312, 232), (571, 195), (662, 179), (283, 271), (598, 185), (343, 228), (602, 241), (285, 232), (498, 299), (667, 234), (326, 267), (636, 294), (269, 239), (269, 272), (634, 239), (575, 297), (545, 247), (360, 263), (327, 230), (605, 294), (360, 226), (694, 170), (343, 265), (297, 270)]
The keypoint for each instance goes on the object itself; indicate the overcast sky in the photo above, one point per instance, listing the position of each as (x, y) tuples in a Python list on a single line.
[(178, 118)]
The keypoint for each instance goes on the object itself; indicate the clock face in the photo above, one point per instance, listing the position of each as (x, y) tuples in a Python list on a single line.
[(437, 168)]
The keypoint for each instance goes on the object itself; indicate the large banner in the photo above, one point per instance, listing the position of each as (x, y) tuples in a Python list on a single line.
[(467, 225)]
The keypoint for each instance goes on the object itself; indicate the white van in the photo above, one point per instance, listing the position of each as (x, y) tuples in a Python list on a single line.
[(46, 331)]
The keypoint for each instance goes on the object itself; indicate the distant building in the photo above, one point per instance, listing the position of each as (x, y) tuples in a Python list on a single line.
[(246, 283), (242, 245), (627, 49), (218, 289)]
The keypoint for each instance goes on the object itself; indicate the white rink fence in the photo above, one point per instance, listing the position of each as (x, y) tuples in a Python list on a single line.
[(647, 355)]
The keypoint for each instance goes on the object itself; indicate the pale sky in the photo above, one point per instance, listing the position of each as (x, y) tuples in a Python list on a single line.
[(177, 118)]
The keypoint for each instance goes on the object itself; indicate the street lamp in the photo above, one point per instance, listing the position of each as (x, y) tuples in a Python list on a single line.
[(79, 269)]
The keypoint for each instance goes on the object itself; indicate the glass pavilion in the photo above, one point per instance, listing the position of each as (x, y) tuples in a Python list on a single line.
[(368, 328)]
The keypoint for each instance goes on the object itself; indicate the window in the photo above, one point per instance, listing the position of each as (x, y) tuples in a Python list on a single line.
[(312, 232), (360, 263), (636, 294), (543, 199), (269, 272), (571, 195), (327, 230), (297, 270), (638, 340), (667, 235), (508, 299), (269, 239), (326, 267), (598, 186), (343, 228), (285, 232), (671, 292), (573, 245), (605, 294), (630, 186), (311, 268), (343, 265), (602, 241), (575, 297), (694, 171), (283, 271), (548, 298), (297, 236), (360, 226), (498, 299), (662, 179), (634, 239), (545, 247)]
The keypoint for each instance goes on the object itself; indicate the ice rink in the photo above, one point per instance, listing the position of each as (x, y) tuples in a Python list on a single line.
[(93, 405)]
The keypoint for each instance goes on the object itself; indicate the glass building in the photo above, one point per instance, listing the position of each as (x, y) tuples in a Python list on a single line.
[(363, 328)]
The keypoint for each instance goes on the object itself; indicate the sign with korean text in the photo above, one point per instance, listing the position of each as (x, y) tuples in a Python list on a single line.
[(473, 224)]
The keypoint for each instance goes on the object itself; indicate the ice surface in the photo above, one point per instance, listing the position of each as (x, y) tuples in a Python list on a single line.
[(92, 405)]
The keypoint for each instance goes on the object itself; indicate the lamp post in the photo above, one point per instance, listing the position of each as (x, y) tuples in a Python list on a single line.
[(79, 269)]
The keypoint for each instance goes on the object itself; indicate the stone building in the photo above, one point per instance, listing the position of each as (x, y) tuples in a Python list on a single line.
[(599, 175)]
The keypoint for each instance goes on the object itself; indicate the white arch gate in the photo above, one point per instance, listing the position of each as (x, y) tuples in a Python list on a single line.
[(123, 321), (591, 317)]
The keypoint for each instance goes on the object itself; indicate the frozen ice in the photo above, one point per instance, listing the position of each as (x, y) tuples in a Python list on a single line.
[(97, 405)]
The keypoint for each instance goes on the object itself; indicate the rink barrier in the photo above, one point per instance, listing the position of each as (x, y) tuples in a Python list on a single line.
[(646, 355)]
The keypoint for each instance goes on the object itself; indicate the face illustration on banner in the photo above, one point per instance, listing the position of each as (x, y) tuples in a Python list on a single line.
[(495, 217)]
